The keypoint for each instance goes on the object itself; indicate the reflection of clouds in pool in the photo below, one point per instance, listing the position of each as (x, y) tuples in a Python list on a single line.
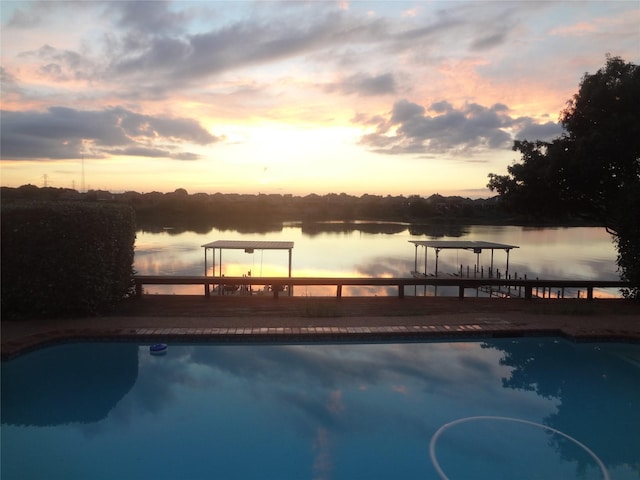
[(322, 464), (316, 384), (447, 426), (364, 411), (339, 389), (432, 368), (303, 379)]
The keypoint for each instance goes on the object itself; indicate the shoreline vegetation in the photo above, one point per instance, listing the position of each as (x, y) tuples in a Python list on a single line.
[(178, 211)]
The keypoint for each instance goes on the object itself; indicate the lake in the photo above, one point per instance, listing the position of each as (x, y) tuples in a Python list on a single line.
[(368, 249)]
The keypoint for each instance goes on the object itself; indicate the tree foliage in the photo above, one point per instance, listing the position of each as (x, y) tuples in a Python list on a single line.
[(65, 258), (593, 169)]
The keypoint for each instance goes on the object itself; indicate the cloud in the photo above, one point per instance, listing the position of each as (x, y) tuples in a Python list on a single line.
[(257, 69), (66, 133), (322, 464), (149, 17), (150, 49), (244, 43), (489, 41), (35, 14), (529, 130), (62, 65), (411, 128), (366, 85), (9, 84), (473, 24)]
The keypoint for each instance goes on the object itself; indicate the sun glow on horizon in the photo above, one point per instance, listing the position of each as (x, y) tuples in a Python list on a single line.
[(389, 98)]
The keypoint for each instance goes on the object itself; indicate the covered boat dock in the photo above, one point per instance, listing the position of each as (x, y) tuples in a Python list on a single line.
[(249, 246), (475, 246)]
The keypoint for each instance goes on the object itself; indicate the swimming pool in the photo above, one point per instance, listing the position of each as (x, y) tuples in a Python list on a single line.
[(538, 408)]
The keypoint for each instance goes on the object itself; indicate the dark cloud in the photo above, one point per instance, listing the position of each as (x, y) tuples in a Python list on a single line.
[(6, 77), (186, 59), (411, 129), (63, 132), (529, 130), (405, 112), (140, 152), (63, 65), (148, 52), (185, 156), (444, 21), (10, 84), (489, 41), (366, 85), (34, 14), (464, 23), (149, 17)]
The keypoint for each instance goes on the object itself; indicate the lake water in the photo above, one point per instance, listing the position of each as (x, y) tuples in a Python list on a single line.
[(362, 249), (498, 409)]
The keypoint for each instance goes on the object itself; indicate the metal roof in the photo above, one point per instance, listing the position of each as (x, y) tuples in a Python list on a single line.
[(249, 244), (461, 244)]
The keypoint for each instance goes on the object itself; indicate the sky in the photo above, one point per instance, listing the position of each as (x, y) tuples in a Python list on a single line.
[(288, 97)]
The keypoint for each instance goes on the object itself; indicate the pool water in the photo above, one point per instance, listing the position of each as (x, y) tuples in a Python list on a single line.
[(538, 408)]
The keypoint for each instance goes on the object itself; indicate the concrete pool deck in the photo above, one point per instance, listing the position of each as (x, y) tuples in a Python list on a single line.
[(155, 318)]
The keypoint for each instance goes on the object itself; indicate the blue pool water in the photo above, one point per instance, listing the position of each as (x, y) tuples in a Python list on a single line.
[(497, 409)]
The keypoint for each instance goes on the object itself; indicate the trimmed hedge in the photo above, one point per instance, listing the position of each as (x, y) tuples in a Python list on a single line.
[(65, 258)]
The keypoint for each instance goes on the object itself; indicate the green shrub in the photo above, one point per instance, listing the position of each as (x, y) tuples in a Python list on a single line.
[(65, 258)]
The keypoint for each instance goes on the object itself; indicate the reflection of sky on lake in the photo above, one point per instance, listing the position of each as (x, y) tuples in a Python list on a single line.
[(343, 412), (545, 253)]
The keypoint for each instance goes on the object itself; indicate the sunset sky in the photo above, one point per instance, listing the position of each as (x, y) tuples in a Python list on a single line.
[(389, 98)]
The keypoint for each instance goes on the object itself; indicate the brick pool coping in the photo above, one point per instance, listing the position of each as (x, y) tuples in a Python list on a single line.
[(165, 320), (13, 348)]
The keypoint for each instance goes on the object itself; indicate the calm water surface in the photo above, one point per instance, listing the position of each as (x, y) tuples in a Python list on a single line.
[(500, 409), (382, 250)]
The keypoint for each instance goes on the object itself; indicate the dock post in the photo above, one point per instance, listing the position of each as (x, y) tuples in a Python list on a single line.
[(527, 292)]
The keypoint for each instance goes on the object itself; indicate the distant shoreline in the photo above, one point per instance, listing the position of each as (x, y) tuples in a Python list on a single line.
[(181, 211)]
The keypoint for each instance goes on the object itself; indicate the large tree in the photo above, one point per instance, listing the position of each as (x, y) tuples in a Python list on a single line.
[(593, 169)]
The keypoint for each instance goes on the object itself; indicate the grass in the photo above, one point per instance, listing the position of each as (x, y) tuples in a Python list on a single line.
[(316, 308)]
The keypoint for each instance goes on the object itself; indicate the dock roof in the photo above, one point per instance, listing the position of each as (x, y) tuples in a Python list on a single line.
[(249, 244), (462, 244)]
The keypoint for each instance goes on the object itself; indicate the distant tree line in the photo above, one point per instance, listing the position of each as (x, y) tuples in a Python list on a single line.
[(200, 212)]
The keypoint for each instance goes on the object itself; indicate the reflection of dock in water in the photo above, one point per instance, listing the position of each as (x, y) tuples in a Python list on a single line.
[(502, 292), (489, 290)]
